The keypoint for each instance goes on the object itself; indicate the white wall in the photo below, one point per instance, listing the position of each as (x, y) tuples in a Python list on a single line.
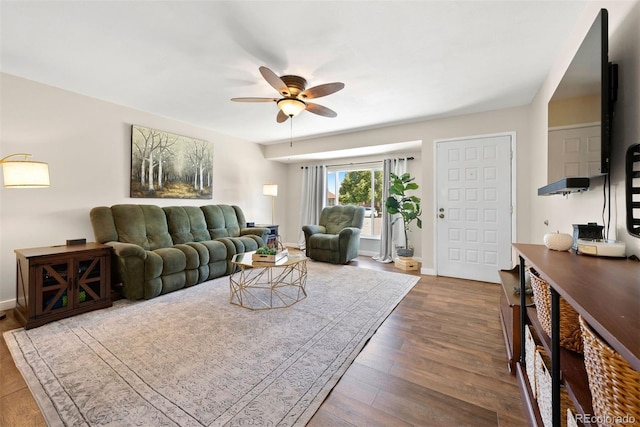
[(87, 143), (500, 121), (561, 212)]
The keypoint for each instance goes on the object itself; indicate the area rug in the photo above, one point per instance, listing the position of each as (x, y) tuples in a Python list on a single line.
[(190, 358)]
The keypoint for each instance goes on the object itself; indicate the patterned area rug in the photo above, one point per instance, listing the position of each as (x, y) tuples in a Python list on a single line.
[(190, 358)]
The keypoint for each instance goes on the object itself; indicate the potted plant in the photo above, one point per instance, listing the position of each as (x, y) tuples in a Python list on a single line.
[(399, 202)]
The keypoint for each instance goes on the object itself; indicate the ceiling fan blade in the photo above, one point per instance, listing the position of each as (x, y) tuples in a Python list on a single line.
[(320, 110), (275, 81), (254, 99), (322, 90), (281, 117)]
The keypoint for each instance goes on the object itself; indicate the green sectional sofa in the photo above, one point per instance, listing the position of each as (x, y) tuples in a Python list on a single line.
[(162, 249)]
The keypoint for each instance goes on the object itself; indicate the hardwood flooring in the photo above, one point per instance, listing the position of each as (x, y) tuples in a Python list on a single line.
[(438, 360)]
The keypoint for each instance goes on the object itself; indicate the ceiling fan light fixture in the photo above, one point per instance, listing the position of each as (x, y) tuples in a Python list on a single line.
[(294, 92), (291, 106)]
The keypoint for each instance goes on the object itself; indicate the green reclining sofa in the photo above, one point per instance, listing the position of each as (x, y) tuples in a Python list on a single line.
[(162, 249)]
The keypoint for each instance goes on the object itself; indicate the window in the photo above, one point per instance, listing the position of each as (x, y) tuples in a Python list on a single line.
[(358, 185)]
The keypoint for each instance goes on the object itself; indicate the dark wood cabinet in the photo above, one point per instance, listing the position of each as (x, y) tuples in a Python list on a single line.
[(606, 293), (59, 281)]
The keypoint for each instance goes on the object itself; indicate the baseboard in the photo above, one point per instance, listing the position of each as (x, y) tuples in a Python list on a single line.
[(428, 271), (7, 305), (367, 253)]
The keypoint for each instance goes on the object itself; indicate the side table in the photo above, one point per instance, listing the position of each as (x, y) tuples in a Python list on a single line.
[(272, 239), (55, 282)]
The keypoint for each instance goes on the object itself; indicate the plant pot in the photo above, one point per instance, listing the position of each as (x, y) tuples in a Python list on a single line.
[(405, 252)]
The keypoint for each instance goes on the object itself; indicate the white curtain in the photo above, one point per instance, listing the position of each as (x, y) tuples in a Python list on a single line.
[(390, 236), (314, 190)]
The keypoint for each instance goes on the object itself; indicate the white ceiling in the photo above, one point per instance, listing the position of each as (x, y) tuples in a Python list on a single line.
[(401, 61)]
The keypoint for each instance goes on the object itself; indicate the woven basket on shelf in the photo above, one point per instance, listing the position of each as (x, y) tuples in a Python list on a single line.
[(530, 354), (614, 384), (543, 386), (570, 334)]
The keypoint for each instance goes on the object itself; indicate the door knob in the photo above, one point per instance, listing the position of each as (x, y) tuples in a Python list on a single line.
[(441, 215)]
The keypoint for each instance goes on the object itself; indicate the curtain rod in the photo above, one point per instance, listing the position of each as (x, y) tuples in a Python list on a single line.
[(351, 164)]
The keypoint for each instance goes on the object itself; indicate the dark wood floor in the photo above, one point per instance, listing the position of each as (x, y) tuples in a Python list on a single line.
[(438, 360)]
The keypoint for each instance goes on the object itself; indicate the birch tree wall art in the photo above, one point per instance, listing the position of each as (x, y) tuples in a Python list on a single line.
[(165, 165)]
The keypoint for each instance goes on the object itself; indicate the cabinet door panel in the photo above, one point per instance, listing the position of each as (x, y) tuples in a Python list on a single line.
[(55, 279), (91, 280)]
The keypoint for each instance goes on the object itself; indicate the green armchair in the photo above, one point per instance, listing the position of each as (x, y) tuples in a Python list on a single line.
[(337, 238)]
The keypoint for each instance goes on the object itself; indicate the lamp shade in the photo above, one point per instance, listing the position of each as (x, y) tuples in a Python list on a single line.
[(291, 106), (25, 174), (270, 190)]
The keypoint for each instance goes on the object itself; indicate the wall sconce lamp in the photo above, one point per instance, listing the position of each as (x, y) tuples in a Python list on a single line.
[(271, 190), (24, 173)]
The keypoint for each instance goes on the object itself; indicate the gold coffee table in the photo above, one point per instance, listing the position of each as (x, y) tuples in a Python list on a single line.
[(261, 285)]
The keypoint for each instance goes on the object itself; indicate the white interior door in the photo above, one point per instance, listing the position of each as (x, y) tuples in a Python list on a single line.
[(474, 210)]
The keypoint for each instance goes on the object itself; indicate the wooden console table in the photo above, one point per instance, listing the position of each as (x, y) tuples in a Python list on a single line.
[(55, 282), (605, 292)]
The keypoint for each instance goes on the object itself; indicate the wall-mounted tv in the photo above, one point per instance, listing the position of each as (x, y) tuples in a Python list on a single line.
[(580, 114)]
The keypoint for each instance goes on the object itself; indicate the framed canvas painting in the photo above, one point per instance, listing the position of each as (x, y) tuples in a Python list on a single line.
[(166, 165)]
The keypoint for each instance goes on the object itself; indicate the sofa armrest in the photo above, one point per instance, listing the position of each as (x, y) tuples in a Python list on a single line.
[(263, 233), (348, 233), (312, 229), (349, 242), (128, 268), (125, 250)]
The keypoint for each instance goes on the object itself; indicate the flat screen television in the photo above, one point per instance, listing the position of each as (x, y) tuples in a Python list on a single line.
[(580, 115)]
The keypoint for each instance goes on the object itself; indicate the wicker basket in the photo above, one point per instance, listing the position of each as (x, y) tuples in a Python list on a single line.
[(543, 384), (530, 355), (570, 334), (614, 384)]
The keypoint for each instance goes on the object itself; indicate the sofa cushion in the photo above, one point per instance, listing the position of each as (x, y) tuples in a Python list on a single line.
[(216, 263), (173, 259), (339, 217), (325, 241), (222, 221), (104, 229), (143, 225), (186, 224)]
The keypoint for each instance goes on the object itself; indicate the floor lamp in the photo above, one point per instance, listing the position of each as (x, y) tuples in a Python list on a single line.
[(271, 190), (23, 174)]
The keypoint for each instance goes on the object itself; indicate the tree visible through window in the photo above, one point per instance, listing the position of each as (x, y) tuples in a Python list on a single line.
[(358, 187)]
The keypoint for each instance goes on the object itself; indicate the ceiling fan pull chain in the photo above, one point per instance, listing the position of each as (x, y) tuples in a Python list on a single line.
[(291, 133)]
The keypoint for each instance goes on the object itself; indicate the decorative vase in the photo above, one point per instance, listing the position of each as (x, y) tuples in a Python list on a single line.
[(558, 241)]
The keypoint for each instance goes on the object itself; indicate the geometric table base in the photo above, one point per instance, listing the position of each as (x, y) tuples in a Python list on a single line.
[(261, 286)]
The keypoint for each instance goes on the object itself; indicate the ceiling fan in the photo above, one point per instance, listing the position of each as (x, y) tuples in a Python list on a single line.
[(295, 95)]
